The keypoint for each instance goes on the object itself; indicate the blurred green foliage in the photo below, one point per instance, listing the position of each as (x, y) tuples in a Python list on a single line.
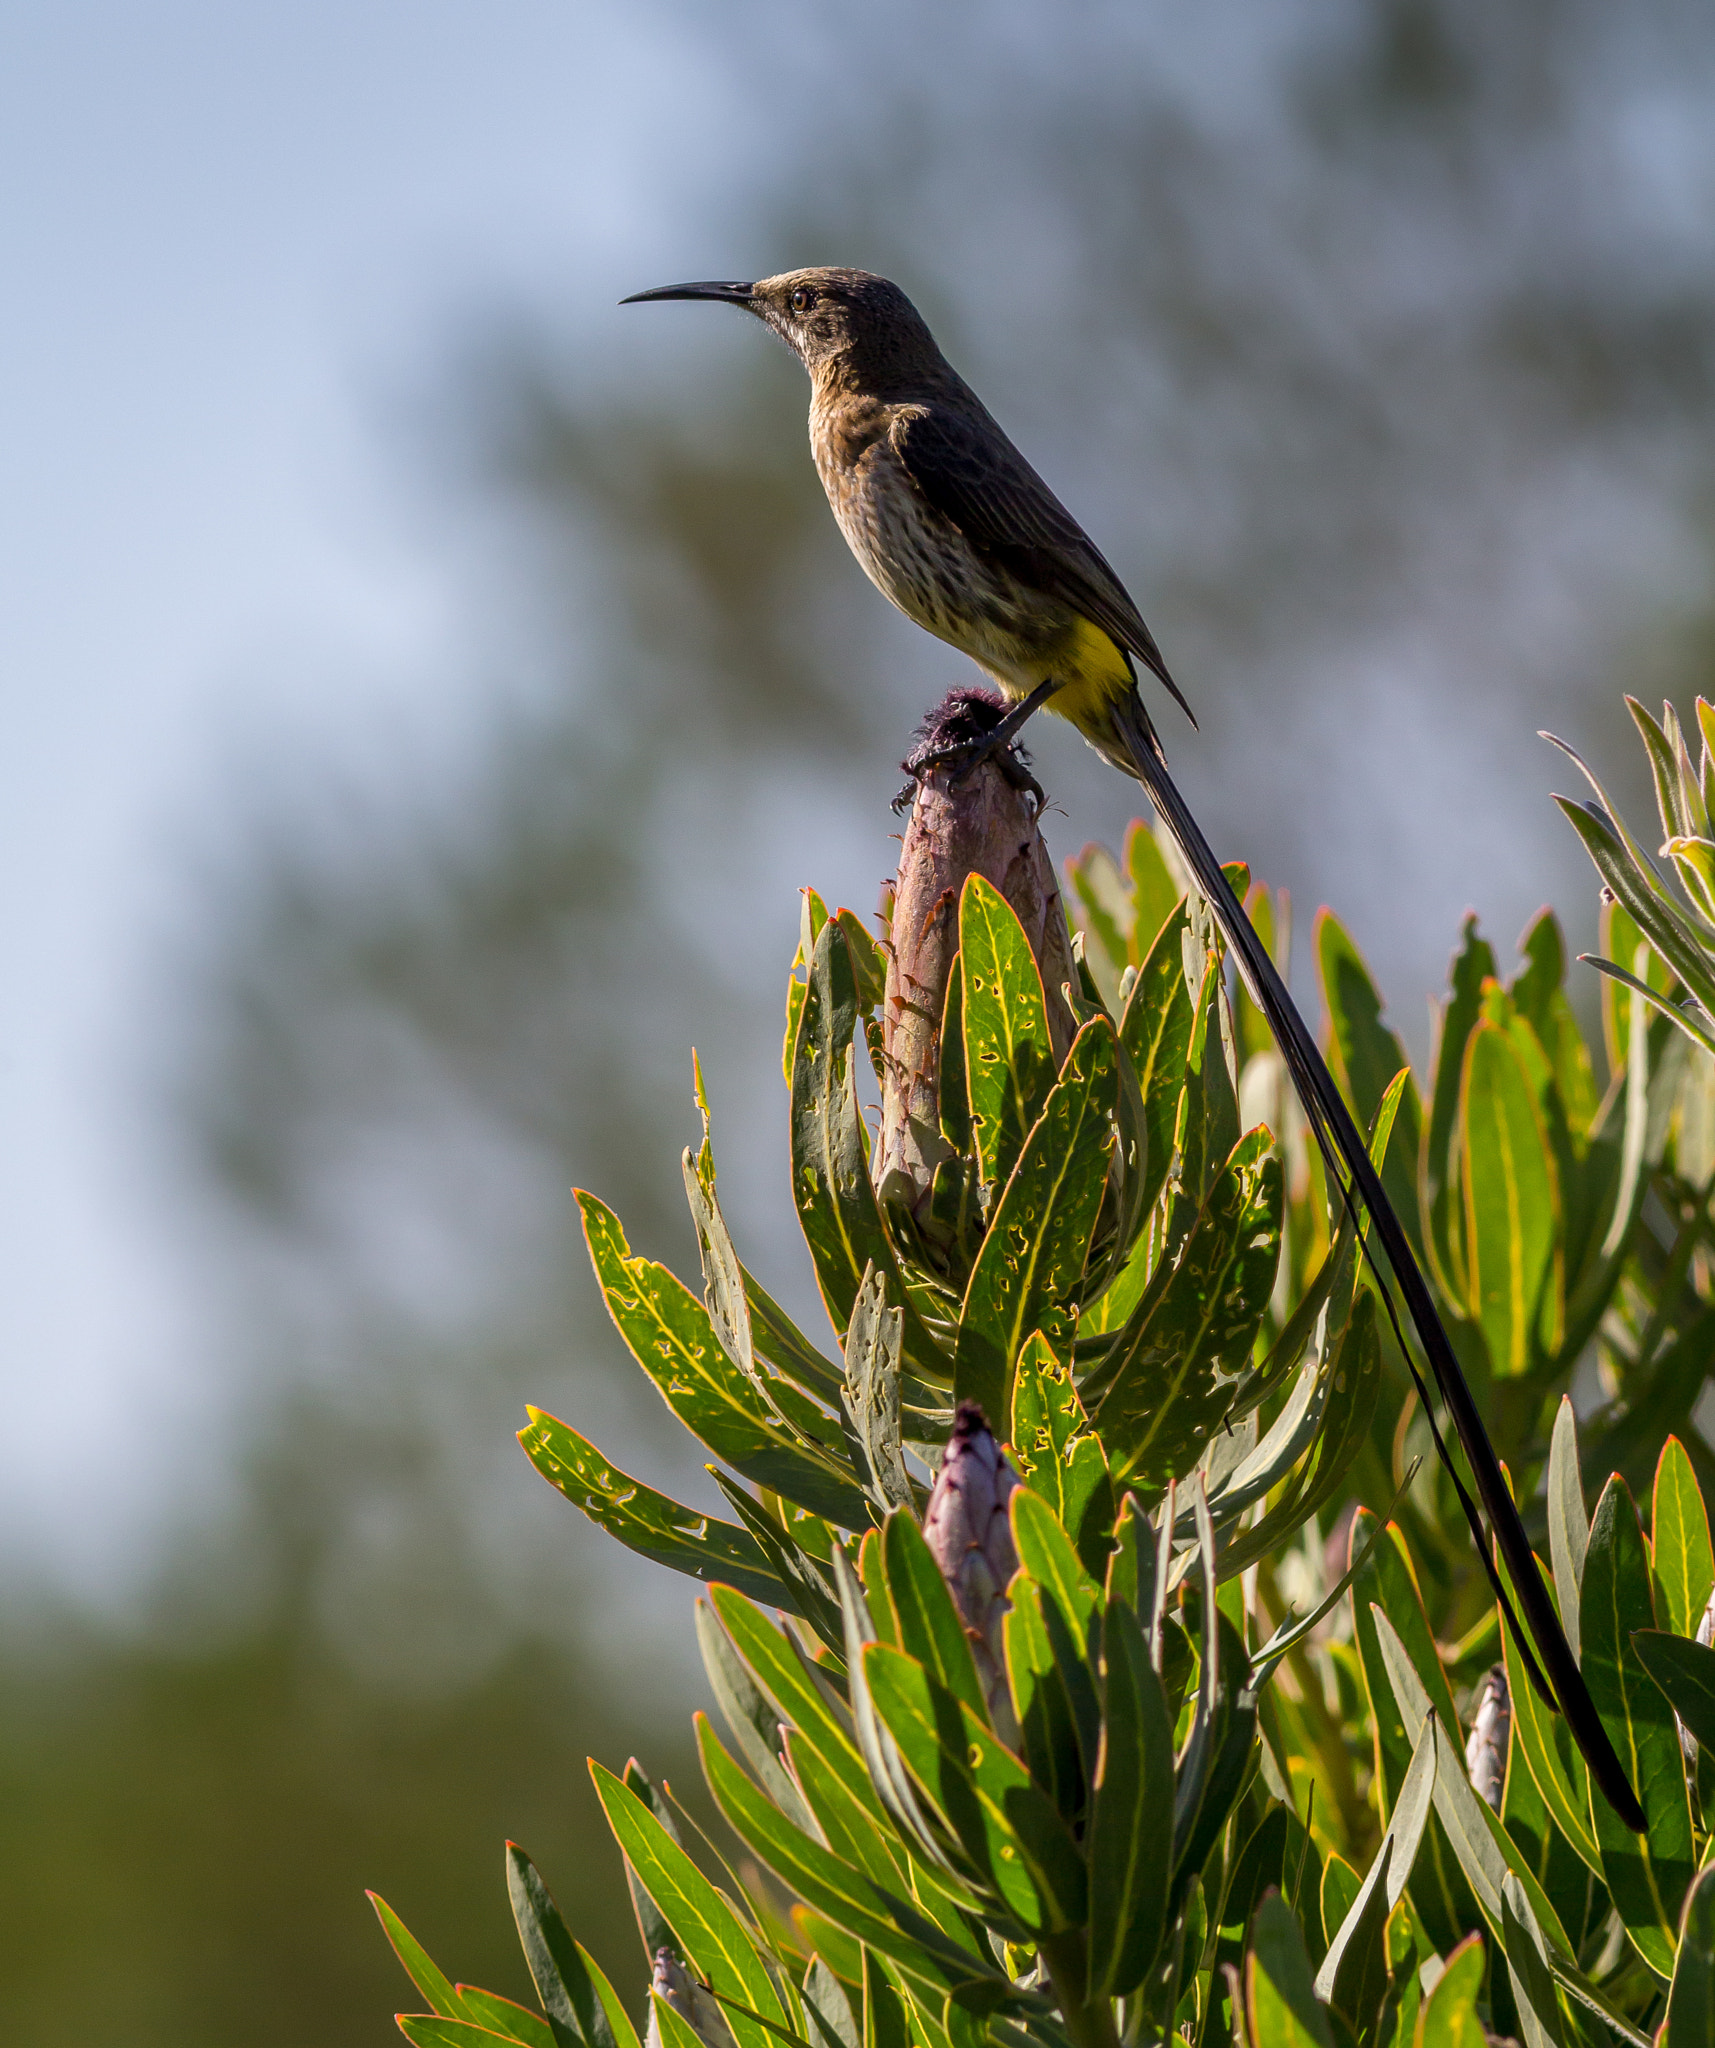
[(970, 1754)]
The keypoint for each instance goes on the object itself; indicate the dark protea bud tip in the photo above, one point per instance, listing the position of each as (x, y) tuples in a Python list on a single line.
[(968, 1528)]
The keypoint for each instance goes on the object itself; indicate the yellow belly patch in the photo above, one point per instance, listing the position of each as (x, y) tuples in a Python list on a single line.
[(1092, 673)]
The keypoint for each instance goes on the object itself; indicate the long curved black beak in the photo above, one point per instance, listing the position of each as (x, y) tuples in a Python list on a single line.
[(714, 288)]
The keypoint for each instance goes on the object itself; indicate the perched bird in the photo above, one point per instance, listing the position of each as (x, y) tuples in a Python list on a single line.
[(951, 523)]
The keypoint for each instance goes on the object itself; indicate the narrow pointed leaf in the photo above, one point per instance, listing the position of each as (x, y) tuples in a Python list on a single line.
[(565, 1979), (1682, 1564), (1684, 1672), (1551, 1757), (1009, 1057), (929, 1626), (669, 1332), (1691, 2001), (1132, 1813), (646, 1521), (1042, 1703), (754, 1724), (1057, 1454), (1568, 1519), (1527, 1965), (1647, 1874), (831, 1188), (1004, 1822), (1280, 2003), (1354, 1970), (1512, 1204), (419, 1965), (1032, 1259), (1486, 1852), (708, 1931), (862, 1908)]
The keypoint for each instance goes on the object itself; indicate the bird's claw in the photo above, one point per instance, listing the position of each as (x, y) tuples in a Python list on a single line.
[(962, 758)]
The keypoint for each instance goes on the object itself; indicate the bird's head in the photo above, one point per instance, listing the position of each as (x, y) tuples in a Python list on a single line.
[(849, 323)]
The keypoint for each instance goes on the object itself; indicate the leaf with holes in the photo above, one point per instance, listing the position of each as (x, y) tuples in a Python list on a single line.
[(646, 1521), (668, 1331), (831, 1188), (1032, 1259), (1167, 1381), (1009, 1056), (1057, 1454)]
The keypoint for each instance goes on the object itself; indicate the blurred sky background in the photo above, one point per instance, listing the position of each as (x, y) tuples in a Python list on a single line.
[(427, 687)]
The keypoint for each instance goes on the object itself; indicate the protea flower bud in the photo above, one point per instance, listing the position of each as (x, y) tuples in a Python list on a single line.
[(982, 822), (1491, 1726), (674, 1983), (969, 1532)]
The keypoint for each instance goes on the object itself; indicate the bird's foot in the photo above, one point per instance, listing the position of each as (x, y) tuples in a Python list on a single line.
[(968, 727)]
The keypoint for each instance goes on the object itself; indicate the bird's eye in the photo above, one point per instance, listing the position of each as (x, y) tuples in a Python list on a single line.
[(803, 298)]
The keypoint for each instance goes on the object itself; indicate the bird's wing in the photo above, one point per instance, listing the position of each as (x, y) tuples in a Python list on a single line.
[(979, 481)]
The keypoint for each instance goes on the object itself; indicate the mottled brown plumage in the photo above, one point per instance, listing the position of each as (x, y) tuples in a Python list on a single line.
[(944, 514), (952, 524)]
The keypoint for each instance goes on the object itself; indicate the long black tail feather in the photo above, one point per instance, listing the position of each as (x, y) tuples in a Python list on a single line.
[(1352, 1170)]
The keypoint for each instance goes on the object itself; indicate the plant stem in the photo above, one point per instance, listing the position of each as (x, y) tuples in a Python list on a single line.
[(1089, 2023)]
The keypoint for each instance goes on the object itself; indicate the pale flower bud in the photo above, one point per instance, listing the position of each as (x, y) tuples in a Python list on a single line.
[(672, 1982), (1491, 1726), (969, 1532)]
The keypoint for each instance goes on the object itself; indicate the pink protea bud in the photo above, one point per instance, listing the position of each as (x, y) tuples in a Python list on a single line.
[(675, 1985), (969, 1532), (1491, 1726)]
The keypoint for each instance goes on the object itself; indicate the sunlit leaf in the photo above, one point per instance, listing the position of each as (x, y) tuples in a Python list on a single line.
[(1281, 2007), (1057, 1454), (1166, 1383), (831, 1188), (1682, 1563), (1005, 1823), (708, 1932), (419, 1965), (1027, 1273), (1449, 2018), (1691, 2001), (1647, 1874), (1009, 1055), (1511, 1205), (1366, 1055), (670, 1334), (646, 1521)]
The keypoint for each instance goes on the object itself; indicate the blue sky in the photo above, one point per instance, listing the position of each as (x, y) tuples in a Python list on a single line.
[(226, 233)]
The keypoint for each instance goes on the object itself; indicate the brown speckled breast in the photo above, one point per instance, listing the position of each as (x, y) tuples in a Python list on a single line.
[(919, 559)]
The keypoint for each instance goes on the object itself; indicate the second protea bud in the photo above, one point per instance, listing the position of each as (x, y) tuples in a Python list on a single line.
[(968, 1528), (673, 1983), (1486, 1751)]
